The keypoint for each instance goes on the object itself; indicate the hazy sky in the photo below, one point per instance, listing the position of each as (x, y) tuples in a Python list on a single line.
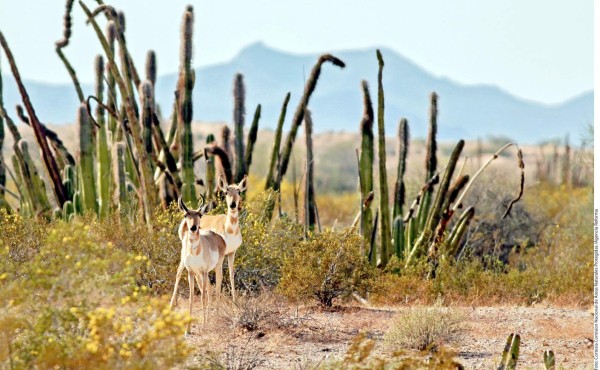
[(536, 49)]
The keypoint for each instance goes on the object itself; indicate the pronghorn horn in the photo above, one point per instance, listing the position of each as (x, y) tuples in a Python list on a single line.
[(182, 206), (201, 204)]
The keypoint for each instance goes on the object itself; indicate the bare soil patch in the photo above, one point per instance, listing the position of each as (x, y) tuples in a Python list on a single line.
[(303, 337)]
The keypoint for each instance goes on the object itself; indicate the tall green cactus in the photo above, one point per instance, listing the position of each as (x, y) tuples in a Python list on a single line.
[(2, 165), (310, 209), (210, 170), (367, 157), (111, 34), (120, 178), (239, 115), (273, 167), (399, 191), (384, 206), (186, 85), (430, 163), (311, 84), (86, 160), (102, 145), (147, 115), (252, 135)]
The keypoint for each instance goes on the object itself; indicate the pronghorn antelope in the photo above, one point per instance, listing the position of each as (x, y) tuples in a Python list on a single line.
[(201, 252), (228, 227)]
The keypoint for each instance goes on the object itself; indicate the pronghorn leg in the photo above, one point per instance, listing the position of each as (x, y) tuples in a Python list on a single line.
[(205, 296), (191, 282), (219, 276), (230, 261), (199, 282), (179, 271)]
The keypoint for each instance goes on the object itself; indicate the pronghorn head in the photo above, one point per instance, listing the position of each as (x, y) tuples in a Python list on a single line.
[(191, 218), (233, 192)]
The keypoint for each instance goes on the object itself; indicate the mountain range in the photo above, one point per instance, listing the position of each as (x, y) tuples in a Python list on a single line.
[(465, 111)]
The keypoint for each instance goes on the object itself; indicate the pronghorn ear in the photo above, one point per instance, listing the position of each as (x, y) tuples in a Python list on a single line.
[(243, 184), (205, 208), (182, 229), (222, 184)]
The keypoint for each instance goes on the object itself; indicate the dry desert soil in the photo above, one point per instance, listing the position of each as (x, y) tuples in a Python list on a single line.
[(307, 336)]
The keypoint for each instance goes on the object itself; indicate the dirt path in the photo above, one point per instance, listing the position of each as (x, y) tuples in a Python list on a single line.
[(304, 338)]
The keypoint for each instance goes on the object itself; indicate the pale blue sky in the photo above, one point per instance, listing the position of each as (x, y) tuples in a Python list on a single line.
[(536, 49)]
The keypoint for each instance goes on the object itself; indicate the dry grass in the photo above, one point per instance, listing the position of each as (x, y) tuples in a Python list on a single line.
[(424, 328)]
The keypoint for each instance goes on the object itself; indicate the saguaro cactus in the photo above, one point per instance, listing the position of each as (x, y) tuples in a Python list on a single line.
[(384, 205), (239, 115)]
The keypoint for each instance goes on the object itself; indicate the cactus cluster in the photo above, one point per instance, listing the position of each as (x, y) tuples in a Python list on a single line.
[(428, 226), (124, 161)]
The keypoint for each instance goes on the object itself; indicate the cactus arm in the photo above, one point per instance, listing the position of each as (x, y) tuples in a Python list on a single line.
[(311, 84), (48, 158), (270, 181), (252, 135)]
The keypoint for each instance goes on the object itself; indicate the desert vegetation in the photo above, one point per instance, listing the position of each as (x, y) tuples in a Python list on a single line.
[(89, 245)]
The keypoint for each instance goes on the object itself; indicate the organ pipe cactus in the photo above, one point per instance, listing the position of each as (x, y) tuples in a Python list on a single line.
[(311, 84), (102, 145), (239, 115), (430, 163), (86, 160), (367, 155), (148, 190), (310, 214), (252, 135), (186, 111), (2, 165), (210, 170), (273, 167), (399, 190), (384, 206)]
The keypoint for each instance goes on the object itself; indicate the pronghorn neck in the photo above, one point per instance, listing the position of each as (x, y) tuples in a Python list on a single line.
[(231, 222)]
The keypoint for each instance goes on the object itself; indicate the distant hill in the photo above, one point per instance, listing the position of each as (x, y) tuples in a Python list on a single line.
[(465, 111)]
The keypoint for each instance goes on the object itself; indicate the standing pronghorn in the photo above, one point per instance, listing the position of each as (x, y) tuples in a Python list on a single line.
[(201, 252), (228, 227)]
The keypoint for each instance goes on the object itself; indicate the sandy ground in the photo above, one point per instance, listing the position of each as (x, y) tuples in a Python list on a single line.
[(301, 338)]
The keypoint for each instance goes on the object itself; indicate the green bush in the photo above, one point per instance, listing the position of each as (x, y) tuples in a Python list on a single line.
[(326, 266)]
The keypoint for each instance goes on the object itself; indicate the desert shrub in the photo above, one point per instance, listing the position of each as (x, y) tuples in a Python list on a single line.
[(424, 327), (324, 267), (253, 312), (161, 245), (266, 244), (75, 304), (21, 240)]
